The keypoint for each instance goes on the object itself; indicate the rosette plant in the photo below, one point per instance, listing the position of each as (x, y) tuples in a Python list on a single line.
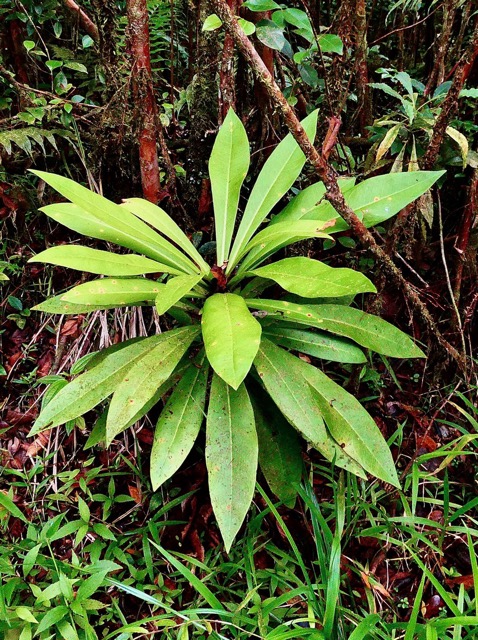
[(230, 362)]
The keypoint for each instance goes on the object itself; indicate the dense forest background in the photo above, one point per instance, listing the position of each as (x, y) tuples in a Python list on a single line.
[(127, 98)]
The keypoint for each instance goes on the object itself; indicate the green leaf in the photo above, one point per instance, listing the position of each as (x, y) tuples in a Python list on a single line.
[(248, 27), (89, 389), (112, 292), (352, 427), (7, 504), (231, 336), (282, 376), (75, 66), (387, 141), (228, 166), (101, 218), (231, 456), (280, 456), (179, 423), (90, 586), (270, 35), (67, 631), (261, 5), (311, 278), (461, 141), (30, 559), (318, 345), (275, 237), (51, 618), (472, 92), (58, 305), (330, 43), (211, 23), (24, 613), (140, 382), (100, 262), (277, 176), (370, 331), (162, 222), (175, 289)]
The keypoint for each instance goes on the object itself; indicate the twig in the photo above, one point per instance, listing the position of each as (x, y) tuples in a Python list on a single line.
[(327, 174), (86, 22)]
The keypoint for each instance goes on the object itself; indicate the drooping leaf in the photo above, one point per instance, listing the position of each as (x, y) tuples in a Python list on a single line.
[(113, 292), (310, 278), (318, 345), (461, 141), (352, 426), (60, 306), (228, 166), (141, 381), (277, 176), (231, 336), (281, 374), (7, 504), (179, 423), (175, 289), (231, 456), (101, 262), (90, 388), (280, 456), (387, 141), (278, 236), (160, 220), (369, 331)]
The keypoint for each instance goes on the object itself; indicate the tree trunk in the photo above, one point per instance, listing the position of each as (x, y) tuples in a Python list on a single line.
[(138, 32)]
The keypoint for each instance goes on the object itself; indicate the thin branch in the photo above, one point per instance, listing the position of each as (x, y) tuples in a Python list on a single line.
[(85, 21)]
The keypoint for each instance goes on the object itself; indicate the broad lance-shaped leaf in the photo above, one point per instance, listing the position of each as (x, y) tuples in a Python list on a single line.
[(109, 291), (352, 427), (90, 388), (316, 344), (310, 278), (276, 177), (160, 220), (280, 457), (370, 331), (179, 423), (56, 304), (173, 291), (103, 263), (280, 373), (275, 237), (228, 166), (231, 456), (231, 336), (139, 384)]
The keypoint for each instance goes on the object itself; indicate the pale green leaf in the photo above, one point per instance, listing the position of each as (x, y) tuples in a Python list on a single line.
[(277, 176), (211, 23), (231, 336), (318, 345), (51, 618), (330, 43), (58, 305), (280, 457), (387, 141), (369, 331), (352, 426), (281, 374), (248, 27), (175, 289), (113, 292), (101, 262), (90, 388), (311, 278), (231, 456), (461, 141), (228, 166), (142, 380), (160, 220), (179, 423), (24, 613), (7, 504)]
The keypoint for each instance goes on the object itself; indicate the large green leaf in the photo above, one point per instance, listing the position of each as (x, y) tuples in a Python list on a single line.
[(281, 374), (113, 292), (90, 388), (275, 237), (179, 423), (280, 456), (231, 456), (139, 384), (58, 305), (370, 331), (160, 220), (277, 176), (173, 291), (352, 427), (228, 166), (231, 336), (316, 344), (101, 262), (310, 278), (118, 226)]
